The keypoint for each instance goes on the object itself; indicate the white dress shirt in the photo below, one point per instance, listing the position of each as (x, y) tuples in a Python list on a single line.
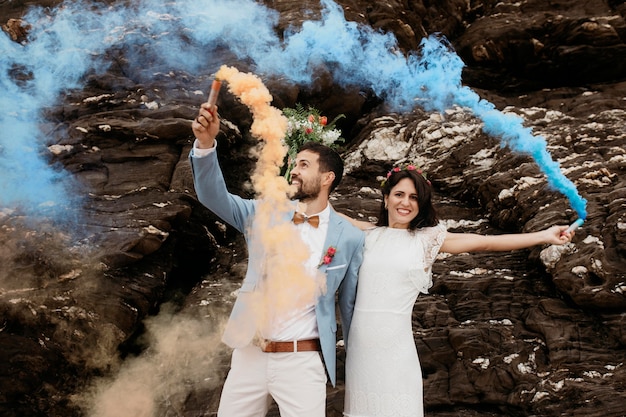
[(299, 324)]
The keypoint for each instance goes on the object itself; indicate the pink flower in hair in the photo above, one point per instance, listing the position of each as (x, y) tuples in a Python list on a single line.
[(408, 167)]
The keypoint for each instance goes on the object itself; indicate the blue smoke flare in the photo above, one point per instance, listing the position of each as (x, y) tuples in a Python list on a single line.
[(67, 43)]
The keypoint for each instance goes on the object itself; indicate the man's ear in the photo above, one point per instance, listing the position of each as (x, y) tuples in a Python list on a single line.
[(328, 178)]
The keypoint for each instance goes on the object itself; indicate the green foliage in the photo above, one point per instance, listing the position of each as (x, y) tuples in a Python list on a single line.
[(304, 125)]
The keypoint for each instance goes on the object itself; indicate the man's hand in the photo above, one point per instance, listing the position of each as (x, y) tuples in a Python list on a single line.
[(206, 126)]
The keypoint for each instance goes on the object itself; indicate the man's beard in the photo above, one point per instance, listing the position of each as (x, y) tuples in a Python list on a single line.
[(302, 195), (307, 192)]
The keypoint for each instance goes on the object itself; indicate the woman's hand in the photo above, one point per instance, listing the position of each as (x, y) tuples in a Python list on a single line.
[(558, 235)]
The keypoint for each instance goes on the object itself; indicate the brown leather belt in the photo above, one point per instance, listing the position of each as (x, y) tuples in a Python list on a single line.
[(311, 345)]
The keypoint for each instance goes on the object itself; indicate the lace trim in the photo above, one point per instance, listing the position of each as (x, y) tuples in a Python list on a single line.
[(433, 239)]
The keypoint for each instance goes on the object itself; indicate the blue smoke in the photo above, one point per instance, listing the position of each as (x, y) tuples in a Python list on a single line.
[(33, 75), (73, 40), (444, 88)]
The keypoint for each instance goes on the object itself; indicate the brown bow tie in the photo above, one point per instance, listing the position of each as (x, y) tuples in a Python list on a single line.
[(299, 218)]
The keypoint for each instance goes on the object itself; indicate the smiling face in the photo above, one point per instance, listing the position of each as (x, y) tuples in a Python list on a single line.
[(306, 176), (402, 206)]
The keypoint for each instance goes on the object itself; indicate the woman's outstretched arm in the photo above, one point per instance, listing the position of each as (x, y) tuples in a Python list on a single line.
[(471, 242)]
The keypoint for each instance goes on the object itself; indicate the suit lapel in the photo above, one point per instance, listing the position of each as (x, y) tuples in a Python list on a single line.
[(335, 228)]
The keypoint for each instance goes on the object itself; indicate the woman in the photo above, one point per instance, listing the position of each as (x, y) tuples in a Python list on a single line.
[(383, 373)]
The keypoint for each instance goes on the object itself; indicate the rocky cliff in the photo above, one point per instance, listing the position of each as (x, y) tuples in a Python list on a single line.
[(115, 281)]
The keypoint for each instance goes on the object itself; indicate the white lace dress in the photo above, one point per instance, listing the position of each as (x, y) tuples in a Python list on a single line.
[(383, 373)]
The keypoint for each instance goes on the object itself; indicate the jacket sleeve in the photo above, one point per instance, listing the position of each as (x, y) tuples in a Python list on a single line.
[(213, 194), (348, 287)]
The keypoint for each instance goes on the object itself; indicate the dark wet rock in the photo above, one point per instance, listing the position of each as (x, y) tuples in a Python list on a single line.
[(533, 332)]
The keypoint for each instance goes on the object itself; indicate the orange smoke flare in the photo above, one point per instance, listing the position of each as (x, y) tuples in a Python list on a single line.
[(285, 275), (215, 91)]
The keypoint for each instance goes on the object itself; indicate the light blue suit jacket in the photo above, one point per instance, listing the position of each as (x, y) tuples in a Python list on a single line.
[(341, 273)]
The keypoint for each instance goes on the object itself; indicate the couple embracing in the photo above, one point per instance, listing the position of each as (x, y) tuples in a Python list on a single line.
[(291, 357)]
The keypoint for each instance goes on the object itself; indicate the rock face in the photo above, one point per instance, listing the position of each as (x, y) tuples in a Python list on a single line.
[(117, 310)]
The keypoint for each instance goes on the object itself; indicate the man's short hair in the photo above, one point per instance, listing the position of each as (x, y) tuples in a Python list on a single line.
[(329, 160)]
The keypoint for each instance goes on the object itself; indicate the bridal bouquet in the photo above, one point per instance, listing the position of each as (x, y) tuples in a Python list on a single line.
[(304, 125)]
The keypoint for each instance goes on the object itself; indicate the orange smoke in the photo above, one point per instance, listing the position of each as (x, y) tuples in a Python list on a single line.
[(286, 278)]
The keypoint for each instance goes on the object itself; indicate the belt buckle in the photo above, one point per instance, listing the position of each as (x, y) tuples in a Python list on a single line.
[(295, 346)]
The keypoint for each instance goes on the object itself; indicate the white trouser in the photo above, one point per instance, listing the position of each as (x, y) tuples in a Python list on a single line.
[(296, 381)]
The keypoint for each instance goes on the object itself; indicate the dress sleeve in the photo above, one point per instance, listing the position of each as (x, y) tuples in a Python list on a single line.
[(431, 239), (435, 237)]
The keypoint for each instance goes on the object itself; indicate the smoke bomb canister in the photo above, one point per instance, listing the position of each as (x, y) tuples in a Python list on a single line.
[(215, 90), (575, 225)]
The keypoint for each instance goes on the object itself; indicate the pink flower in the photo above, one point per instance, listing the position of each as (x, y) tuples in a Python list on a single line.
[(328, 257), (309, 130), (408, 167), (311, 118), (323, 120)]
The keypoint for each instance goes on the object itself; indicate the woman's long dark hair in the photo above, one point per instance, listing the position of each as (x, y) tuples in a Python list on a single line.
[(427, 216)]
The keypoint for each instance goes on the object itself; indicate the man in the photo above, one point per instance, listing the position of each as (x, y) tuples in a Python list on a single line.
[(293, 360)]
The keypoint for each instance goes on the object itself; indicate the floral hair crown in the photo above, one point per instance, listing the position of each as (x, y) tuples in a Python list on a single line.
[(405, 167)]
